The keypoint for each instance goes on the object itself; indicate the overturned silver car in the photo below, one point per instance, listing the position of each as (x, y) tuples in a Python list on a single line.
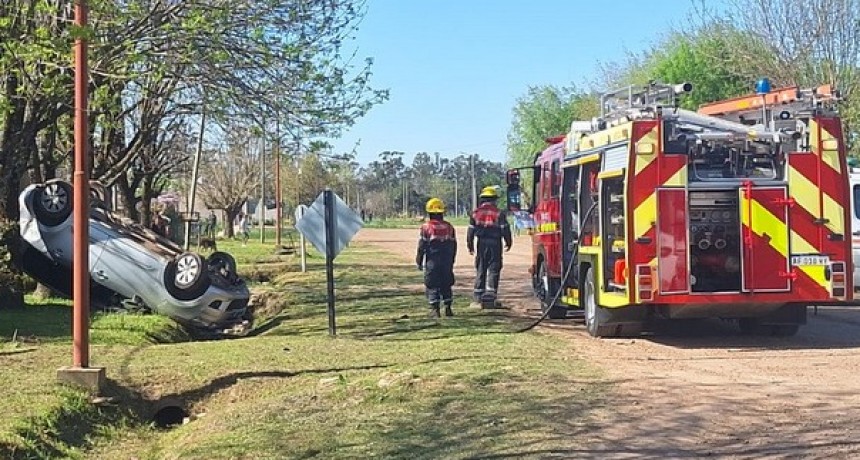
[(129, 265)]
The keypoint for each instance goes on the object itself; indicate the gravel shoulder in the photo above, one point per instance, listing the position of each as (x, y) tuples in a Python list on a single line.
[(698, 388)]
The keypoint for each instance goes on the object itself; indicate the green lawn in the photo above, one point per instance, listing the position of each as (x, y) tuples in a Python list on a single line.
[(393, 384)]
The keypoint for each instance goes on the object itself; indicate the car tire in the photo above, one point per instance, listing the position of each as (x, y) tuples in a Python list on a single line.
[(222, 261), (52, 203), (186, 277)]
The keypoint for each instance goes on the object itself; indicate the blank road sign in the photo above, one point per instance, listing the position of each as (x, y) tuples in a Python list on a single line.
[(311, 224)]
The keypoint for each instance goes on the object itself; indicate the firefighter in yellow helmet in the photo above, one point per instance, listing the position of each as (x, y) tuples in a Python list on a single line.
[(489, 225), (437, 248)]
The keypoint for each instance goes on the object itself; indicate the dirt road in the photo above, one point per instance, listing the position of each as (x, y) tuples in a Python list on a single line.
[(699, 388)]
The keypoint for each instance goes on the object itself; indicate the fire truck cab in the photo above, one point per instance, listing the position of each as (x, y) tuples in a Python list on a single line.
[(738, 211)]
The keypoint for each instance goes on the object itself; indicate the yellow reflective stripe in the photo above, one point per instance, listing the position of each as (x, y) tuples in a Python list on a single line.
[(834, 213), (804, 192), (586, 159), (609, 174), (763, 221), (613, 300), (643, 160), (829, 157), (801, 246), (679, 179), (547, 227), (645, 215)]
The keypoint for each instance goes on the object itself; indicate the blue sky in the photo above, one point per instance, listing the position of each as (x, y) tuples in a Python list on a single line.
[(456, 67)]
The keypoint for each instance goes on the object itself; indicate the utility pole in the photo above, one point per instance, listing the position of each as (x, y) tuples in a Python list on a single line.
[(81, 222), (195, 170), (456, 198), (263, 185), (278, 181), (80, 373), (474, 182)]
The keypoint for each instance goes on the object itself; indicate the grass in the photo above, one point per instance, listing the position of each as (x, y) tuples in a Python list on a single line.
[(410, 222), (393, 384), (40, 418)]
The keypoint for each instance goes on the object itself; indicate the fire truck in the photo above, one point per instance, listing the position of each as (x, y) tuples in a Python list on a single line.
[(737, 211)]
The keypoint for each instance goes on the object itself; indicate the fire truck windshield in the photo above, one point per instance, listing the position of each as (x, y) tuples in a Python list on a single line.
[(735, 160)]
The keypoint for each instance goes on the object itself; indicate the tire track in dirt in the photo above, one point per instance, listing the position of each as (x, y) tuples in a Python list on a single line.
[(697, 388)]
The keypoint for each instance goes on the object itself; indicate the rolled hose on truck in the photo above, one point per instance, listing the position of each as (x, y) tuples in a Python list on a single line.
[(563, 279)]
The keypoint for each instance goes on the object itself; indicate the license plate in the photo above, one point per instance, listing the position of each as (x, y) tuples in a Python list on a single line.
[(810, 260)]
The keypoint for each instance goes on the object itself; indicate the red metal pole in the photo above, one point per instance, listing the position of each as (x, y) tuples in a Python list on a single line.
[(80, 254)]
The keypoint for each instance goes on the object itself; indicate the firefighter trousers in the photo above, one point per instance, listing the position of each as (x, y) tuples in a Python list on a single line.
[(488, 263), (437, 295)]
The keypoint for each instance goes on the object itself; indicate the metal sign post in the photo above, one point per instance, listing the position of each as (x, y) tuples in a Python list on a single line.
[(330, 224), (300, 212)]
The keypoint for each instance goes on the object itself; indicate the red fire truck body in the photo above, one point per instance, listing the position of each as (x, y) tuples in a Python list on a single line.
[(738, 211)]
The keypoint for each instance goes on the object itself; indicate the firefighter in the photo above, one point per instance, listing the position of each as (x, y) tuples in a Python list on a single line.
[(437, 248), (490, 226)]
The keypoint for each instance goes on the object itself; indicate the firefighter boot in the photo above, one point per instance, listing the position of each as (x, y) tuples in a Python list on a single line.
[(488, 301), (476, 302), (434, 310), (448, 311)]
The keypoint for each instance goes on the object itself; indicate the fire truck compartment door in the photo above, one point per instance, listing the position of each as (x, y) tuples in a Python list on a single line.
[(764, 239), (672, 246)]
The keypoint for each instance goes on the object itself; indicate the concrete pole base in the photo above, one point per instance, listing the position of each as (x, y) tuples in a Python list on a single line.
[(91, 379)]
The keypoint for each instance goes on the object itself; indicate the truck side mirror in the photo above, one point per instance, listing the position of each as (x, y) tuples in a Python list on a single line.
[(513, 196)]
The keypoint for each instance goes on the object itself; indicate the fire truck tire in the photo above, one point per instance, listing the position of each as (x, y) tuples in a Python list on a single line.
[(546, 288), (596, 317)]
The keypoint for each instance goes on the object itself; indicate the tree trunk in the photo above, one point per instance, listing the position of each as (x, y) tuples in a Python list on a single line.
[(145, 204), (11, 282), (232, 212)]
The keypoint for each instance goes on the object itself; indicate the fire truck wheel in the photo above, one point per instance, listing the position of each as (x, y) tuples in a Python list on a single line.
[(547, 288), (596, 317)]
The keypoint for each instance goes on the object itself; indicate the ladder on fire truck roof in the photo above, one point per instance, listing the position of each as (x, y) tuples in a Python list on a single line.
[(768, 115), (782, 103), (640, 101)]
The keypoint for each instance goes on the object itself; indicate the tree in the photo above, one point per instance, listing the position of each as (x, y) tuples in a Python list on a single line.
[(545, 111), (796, 42), (698, 58), (230, 175)]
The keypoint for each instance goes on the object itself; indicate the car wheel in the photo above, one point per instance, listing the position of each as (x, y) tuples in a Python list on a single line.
[(222, 261), (186, 277), (52, 203)]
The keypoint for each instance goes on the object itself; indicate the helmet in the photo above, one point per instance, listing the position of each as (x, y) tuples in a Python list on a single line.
[(489, 192), (435, 206)]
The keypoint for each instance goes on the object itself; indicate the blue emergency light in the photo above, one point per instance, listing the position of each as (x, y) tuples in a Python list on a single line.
[(762, 86)]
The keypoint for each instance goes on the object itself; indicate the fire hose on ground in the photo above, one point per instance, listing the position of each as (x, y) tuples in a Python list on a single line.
[(563, 279)]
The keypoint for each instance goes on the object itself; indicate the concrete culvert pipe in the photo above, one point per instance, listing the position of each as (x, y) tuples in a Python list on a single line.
[(169, 414)]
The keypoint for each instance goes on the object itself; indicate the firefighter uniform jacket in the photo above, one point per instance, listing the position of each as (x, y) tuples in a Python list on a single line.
[(437, 248), (489, 225)]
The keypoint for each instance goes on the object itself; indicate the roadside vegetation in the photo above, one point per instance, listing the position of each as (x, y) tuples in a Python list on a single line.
[(382, 388)]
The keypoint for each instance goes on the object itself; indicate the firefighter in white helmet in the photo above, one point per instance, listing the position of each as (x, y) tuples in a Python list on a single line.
[(490, 226), (437, 249)]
